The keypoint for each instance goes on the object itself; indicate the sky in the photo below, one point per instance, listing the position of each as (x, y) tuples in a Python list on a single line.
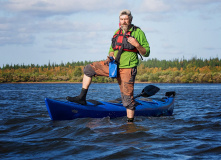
[(55, 31)]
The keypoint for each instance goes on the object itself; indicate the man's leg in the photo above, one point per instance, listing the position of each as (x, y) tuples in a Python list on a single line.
[(130, 113), (126, 81), (82, 97), (86, 81), (87, 78), (94, 69)]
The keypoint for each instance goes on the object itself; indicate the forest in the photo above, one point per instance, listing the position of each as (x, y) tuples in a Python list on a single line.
[(195, 70)]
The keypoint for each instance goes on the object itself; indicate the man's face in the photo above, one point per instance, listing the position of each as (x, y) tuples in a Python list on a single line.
[(124, 21)]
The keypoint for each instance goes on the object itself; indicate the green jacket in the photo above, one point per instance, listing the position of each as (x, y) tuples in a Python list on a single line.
[(130, 59)]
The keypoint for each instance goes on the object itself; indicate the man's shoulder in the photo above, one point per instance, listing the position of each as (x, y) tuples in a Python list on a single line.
[(138, 31), (137, 28)]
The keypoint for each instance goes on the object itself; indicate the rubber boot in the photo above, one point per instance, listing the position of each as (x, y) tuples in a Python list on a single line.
[(130, 120), (81, 99)]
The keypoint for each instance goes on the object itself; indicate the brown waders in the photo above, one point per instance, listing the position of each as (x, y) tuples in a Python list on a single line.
[(125, 78)]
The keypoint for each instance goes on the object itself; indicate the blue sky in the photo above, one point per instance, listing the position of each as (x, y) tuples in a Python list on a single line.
[(39, 31)]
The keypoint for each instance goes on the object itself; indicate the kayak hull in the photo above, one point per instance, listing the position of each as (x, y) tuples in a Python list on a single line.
[(65, 110)]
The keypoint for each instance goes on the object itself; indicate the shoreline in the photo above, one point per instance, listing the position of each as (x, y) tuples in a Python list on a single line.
[(95, 83), (38, 82), (56, 82)]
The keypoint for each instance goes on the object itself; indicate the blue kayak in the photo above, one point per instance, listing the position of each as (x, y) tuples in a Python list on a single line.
[(65, 110)]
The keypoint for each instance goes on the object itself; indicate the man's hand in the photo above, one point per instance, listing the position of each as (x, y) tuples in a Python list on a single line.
[(111, 54), (136, 44), (106, 62), (133, 42)]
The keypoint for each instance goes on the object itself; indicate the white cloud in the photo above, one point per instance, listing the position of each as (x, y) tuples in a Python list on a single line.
[(14, 28), (161, 10), (12, 31), (174, 5), (19, 38), (77, 40), (154, 6), (157, 17), (55, 7)]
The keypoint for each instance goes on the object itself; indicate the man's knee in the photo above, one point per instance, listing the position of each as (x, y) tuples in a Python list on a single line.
[(131, 106), (88, 71), (128, 102)]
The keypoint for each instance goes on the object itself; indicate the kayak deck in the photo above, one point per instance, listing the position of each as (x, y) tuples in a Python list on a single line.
[(65, 110)]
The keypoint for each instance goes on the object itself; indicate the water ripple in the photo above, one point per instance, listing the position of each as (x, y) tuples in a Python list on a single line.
[(26, 131)]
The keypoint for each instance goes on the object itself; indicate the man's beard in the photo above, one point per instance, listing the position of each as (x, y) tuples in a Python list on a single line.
[(125, 28)]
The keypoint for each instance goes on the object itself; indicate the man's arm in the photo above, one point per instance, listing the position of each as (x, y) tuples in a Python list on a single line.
[(135, 43), (140, 42)]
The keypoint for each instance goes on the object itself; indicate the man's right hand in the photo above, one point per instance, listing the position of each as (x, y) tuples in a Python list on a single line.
[(111, 54), (109, 59)]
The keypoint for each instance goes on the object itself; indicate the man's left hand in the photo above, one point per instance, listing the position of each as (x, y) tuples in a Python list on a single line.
[(136, 44), (133, 42)]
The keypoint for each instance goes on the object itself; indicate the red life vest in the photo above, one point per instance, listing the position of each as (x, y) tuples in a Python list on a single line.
[(118, 39)]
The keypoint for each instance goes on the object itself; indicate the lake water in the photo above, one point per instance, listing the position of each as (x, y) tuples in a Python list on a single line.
[(26, 131)]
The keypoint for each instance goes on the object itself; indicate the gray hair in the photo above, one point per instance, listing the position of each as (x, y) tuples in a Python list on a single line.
[(126, 12)]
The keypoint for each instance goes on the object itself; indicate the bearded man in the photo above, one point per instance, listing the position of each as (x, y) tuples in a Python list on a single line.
[(128, 41)]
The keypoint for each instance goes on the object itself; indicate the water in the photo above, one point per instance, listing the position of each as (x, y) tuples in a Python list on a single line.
[(26, 131)]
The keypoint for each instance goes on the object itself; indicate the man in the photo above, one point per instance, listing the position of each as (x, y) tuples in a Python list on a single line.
[(133, 41)]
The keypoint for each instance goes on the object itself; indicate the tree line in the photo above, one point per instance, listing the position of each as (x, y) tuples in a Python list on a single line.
[(195, 70)]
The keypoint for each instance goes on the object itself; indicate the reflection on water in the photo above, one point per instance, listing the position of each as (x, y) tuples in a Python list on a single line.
[(105, 125)]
